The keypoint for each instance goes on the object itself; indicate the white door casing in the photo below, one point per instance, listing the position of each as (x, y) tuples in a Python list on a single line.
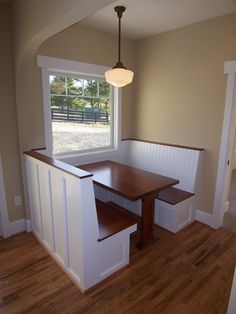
[(5, 225), (226, 147)]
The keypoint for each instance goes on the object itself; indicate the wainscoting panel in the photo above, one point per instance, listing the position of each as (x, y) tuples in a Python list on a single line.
[(175, 162), (58, 204), (64, 219), (33, 187), (46, 205)]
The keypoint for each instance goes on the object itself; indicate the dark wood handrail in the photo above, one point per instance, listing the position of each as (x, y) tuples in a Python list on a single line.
[(79, 173), (164, 144)]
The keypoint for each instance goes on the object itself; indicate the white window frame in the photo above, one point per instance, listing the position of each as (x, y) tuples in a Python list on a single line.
[(51, 65)]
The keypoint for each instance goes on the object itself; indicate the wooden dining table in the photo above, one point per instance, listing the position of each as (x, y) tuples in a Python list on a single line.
[(133, 184)]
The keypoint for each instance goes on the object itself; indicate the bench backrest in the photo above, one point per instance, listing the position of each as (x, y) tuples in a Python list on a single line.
[(176, 162)]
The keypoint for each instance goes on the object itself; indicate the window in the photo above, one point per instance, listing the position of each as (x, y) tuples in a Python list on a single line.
[(81, 113), (81, 109)]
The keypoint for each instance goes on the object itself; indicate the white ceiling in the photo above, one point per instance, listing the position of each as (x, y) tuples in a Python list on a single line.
[(145, 18)]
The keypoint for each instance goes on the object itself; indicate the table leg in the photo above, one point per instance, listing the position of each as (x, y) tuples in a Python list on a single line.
[(147, 222)]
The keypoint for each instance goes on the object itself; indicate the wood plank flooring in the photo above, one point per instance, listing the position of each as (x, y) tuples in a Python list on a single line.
[(190, 272)]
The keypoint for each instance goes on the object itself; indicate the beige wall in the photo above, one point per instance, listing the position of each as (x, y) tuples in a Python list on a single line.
[(182, 102), (9, 145), (33, 22), (180, 90), (89, 45)]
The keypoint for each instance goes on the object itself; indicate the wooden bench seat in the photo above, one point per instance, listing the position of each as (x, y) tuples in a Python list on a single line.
[(173, 195), (174, 209), (111, 220)]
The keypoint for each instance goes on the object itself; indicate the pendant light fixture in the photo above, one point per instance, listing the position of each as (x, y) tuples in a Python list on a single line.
[(119, 76)]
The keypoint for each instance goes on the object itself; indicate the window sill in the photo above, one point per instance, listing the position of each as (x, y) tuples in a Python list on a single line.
[(88, 157)]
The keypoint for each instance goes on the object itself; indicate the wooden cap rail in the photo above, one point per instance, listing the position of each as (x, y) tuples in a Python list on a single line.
[(79, 173), (165, 144)]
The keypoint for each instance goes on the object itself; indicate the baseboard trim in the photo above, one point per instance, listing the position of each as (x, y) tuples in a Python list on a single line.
[(204, 217), (28, 225), (17, 226)]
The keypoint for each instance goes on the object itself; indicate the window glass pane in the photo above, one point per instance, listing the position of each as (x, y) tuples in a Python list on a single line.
[(60, 101), (104, 93), (81, 117), (74, 86), (57, 84), (90, 88)]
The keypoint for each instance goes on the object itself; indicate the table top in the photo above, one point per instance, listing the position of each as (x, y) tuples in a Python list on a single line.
[(129, 182)]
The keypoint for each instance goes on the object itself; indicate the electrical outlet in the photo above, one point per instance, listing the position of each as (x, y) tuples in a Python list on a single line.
[(18, 200)]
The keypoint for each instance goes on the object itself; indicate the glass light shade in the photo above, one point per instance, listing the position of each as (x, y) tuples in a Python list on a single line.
[(119, 77)]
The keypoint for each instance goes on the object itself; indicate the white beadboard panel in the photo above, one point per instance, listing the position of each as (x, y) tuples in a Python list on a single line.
[(58, 214), (175, 162)]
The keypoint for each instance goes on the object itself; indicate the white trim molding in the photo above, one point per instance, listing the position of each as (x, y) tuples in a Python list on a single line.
[(3, 206), (18, 226), (204, 217), (230, 67), (226, 147), (71, 67), (51, 65)]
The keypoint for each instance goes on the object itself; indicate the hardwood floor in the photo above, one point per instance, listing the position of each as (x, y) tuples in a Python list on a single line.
[(190, 272)]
